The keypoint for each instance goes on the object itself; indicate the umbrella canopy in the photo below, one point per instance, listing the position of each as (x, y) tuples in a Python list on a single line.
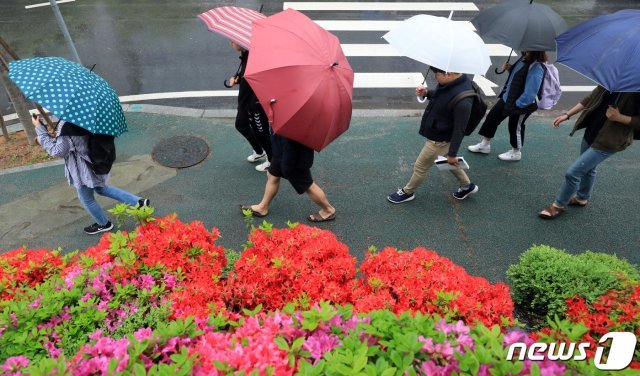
[(442, 43), (605, 49), (301, 77), (521, 25), (232, 22), (71, 92)]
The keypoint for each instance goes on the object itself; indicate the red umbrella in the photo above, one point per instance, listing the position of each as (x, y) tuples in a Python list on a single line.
[(232, 22), (301, 77)]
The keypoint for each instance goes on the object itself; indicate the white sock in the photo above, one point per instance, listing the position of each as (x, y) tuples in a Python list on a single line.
[(485, 142)]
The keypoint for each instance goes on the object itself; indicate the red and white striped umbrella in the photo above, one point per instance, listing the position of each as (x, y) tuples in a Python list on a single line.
[(232, 22)]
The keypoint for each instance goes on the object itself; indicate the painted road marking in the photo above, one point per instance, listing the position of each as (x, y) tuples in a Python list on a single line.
[(367, 25), (47, 4), (383, 6), (385, 49)]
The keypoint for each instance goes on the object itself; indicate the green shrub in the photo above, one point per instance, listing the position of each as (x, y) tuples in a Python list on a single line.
[(545, 277)]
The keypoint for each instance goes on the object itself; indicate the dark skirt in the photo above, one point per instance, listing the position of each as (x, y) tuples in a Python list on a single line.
[(292, 161)]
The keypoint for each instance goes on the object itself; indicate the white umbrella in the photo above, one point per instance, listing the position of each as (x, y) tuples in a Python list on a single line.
[(441, 43)]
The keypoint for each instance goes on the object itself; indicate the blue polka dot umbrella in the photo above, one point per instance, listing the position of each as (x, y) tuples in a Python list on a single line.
[(71, 92)]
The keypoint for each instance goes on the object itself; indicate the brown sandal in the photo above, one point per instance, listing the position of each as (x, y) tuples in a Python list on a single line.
[(575, 202), (551, 212)]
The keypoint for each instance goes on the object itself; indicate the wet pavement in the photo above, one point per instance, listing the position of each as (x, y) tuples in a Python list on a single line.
[(484, 233), (157, 46)]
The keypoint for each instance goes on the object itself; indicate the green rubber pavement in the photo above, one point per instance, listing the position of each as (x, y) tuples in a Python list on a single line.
[(484, 233)]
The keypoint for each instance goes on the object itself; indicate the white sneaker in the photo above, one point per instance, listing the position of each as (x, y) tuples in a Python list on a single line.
[(511, 155), (254, 157), (263, 167), (480, 148)]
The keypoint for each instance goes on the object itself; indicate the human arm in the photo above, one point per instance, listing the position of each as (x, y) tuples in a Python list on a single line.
[(613, 113), (567, 115), (461, 114), (531, 86), (57, 147)]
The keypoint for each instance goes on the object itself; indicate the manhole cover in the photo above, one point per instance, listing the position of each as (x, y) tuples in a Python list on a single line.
[(180, 151)]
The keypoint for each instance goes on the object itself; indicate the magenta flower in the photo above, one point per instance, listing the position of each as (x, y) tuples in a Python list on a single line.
[(146, 282), (428, 345), (444, 327), (142, 334), (14, 364), (69, 278), (319, 343), (37, 302), (461, 328)]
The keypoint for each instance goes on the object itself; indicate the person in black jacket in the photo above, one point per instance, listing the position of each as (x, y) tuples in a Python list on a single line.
[(292, 161), (444, 130), (517, 101), (251, 120)]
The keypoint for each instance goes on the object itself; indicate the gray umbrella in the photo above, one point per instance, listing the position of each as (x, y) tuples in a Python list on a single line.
[(521, 25)]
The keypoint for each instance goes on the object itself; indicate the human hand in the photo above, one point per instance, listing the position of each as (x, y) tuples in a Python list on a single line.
[(35, 119), (559, 119), (421, 91), (452, 160), (233, 80), (614, 114), (506, 66)]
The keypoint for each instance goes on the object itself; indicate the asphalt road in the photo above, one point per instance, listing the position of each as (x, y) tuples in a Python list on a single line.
[(160, 46)]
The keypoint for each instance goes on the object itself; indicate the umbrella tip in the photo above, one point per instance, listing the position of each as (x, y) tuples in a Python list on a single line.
[(334, 64)]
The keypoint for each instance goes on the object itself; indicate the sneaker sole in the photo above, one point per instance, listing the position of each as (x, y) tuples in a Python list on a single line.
[(509, 159), (257, 159), (467, 195), (99, 231), (401, 202), (480, 151)]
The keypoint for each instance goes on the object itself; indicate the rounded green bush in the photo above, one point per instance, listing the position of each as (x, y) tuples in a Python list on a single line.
[(545, 277)]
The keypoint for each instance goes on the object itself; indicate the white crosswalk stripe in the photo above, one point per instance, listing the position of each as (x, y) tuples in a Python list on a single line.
[(377, 28)]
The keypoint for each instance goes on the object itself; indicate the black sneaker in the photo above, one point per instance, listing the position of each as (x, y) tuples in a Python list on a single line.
[(96, 228), (400, 197), (463, 192), (144, 202)]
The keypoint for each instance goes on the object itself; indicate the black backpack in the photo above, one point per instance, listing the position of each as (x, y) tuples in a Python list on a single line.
[(102, 147), (478, 109)]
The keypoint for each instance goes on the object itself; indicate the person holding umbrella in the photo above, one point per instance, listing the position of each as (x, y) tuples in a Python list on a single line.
[(71, 144), (251, 120), (292, 161), (609, 120), (517, 101), (86, 105), (444, 131)]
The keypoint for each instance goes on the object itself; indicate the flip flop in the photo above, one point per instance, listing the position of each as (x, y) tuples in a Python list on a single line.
[(318, 217), (253, 212), (551, 212)]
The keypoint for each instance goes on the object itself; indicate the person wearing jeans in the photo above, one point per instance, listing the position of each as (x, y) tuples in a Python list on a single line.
[(74, 149), (609, 120)]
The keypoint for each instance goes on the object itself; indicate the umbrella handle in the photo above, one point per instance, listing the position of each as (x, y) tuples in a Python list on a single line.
[(504, 69), (227, 85)]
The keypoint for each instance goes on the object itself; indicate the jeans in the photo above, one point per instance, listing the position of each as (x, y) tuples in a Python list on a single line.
[(581, 175), (85, 194)]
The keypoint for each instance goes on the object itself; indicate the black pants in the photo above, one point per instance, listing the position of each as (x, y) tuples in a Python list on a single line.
[(253, 124), (516, 124)]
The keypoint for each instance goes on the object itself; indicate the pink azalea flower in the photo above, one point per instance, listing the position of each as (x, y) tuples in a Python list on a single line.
[(461, 328), (142, 334), (15, 364), (319, 343), (513, 337), (37, 302), (428, 345), (465, 340), (146, 282), (444, 327), (69, 278)]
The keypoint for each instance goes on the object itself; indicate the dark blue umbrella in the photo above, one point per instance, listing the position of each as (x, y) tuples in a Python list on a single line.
[(71, 92), (605, 49)]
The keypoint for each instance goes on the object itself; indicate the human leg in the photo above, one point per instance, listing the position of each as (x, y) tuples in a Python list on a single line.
[(488, 128), (118, 194), (88, 201), (243, 125), (588, 181), (430, 151), (270, 191), (584, 166), (327, 211)]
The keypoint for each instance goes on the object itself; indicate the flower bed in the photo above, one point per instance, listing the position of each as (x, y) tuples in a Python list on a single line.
[(155, 301)]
